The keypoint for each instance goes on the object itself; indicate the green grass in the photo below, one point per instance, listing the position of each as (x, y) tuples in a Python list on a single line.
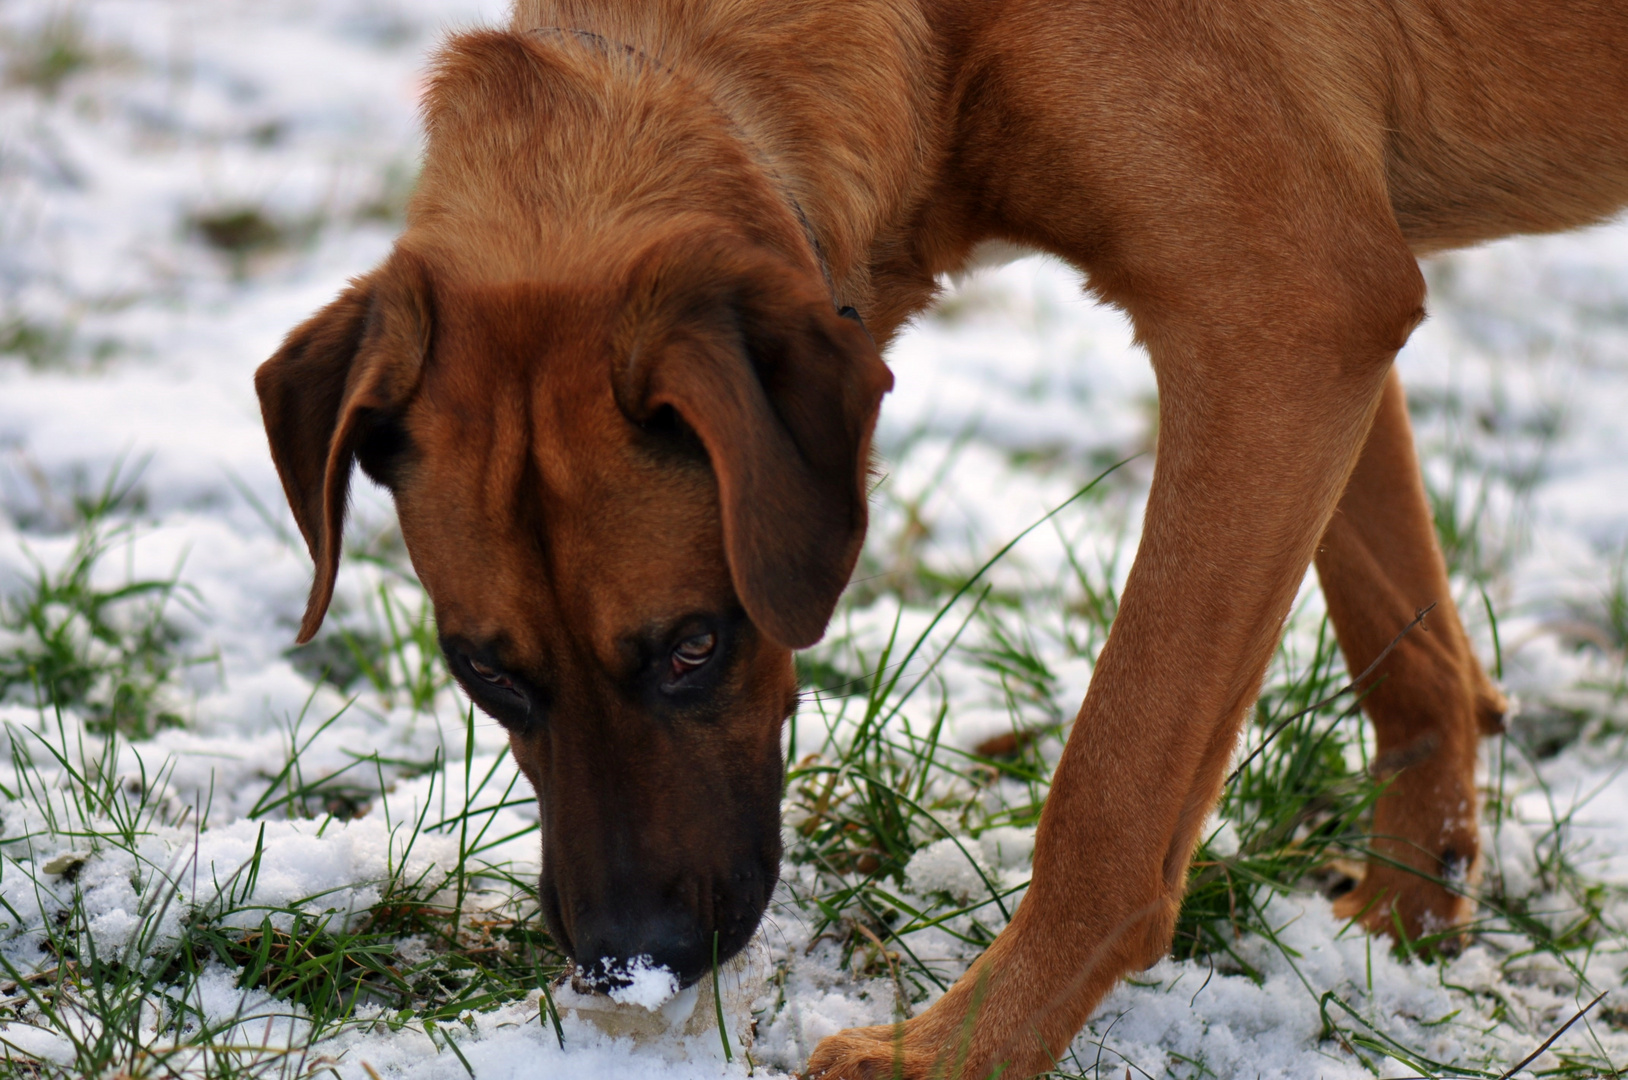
[(48, 55), (41, 344), (478, 941), (45, 344), (243, 233), (108, 651), (446, 937), (392, 650)]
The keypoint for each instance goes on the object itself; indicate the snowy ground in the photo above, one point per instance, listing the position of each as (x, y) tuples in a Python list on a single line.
[(181, 182)]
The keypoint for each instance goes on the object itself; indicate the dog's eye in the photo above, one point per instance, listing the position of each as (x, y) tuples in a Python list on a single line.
[(692, 652), (491, 675)]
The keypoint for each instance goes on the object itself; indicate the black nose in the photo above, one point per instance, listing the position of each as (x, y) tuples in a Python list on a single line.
[(610, 944)]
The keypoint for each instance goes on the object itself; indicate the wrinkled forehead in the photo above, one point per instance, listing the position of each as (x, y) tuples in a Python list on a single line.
[(515, 386), (521, 375), (535, 504)]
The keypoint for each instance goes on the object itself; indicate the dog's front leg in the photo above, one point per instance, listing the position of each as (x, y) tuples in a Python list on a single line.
[(1267, 390)]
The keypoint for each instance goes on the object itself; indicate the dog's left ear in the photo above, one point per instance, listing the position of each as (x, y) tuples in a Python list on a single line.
[(783, 392), (332, 394)]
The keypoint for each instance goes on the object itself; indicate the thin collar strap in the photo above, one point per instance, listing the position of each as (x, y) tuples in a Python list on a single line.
[(610, 48)]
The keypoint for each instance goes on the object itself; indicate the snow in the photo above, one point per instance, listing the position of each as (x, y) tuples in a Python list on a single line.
[(1004, 404), (650, 986)]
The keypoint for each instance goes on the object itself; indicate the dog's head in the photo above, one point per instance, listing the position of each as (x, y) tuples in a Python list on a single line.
[(629, 497)]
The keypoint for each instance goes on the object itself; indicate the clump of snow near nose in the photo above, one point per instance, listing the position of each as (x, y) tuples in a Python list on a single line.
[(649, 985), (652, 1013)]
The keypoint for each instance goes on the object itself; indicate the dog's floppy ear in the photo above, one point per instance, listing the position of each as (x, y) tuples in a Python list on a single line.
[(783, 392), (333, 392)]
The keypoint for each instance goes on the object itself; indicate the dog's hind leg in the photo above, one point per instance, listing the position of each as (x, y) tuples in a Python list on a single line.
[(1379, 564)]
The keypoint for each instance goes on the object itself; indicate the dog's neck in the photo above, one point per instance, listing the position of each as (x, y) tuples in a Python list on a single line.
[(797, 84)]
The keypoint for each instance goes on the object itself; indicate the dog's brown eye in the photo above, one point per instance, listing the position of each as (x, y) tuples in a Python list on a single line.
[(693, 652), (491, 675)]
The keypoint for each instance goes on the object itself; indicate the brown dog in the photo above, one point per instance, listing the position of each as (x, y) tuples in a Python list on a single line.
[(605, 376)]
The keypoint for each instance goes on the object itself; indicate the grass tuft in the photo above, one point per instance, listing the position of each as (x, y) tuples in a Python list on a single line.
[(245, 234), (49, 55), (110, 652), (40, 344)]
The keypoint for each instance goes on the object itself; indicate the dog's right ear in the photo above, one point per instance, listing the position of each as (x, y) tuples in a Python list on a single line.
[(334, 393), (783, 393)]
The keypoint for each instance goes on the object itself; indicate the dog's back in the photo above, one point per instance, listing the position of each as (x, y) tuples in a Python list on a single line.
[(1504, 116)]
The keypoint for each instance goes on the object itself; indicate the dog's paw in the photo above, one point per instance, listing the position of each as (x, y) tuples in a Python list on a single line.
[(873, 1053), (1402, 905), (1425, 854), (1424, 866)]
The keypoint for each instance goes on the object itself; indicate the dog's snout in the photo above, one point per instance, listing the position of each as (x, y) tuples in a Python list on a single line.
[(660, 827)]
